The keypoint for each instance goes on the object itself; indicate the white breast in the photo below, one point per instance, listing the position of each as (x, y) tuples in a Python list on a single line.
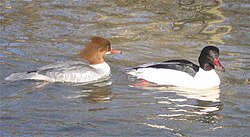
[(206, 79)]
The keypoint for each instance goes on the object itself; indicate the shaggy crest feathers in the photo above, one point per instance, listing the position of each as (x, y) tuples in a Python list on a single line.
[(92, 50), (101, 41)]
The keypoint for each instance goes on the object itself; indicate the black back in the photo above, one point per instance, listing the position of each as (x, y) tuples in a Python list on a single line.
[(180, 65)]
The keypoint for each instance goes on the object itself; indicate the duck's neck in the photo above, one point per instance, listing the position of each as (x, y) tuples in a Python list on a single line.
[(206, 66), (96, 60), (103, 67)]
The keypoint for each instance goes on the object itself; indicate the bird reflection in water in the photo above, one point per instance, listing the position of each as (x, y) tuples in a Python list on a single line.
[(93, 93), (186, 104)]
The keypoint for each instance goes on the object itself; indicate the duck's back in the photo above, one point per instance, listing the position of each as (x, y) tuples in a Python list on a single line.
[(70, 71)]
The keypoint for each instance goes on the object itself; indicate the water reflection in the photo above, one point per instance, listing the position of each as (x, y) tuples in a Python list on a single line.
[(215, 32), (183, 105), (201, 99), (188, 104), (211, 18), (211, 94), (93, 93)]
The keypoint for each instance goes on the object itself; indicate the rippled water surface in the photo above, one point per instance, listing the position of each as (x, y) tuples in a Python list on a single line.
[(36, 33)]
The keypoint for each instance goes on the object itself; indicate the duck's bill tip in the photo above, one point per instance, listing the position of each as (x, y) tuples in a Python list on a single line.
[(223, 69)]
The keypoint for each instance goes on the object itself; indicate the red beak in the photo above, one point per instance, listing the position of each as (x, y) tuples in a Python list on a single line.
[(217, 63), (114, 51)]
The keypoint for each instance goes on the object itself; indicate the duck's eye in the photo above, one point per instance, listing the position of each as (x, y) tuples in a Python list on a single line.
[(212, 54)]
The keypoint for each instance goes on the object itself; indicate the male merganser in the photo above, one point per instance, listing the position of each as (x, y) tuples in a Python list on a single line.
[(183, 73), (75, 71)]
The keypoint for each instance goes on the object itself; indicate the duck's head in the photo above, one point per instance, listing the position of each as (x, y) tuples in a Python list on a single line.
[(209, 58), (94, 51)]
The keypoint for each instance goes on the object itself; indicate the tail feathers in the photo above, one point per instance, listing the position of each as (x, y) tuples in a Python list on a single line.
[(131, 72), (26, 76)]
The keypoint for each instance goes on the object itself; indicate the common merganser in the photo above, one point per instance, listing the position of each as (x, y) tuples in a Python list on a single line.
[(182, 73), (75, 71)]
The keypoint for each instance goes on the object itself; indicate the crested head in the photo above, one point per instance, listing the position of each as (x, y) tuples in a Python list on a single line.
[(210, 50), (209, 57), (100, 41), (94, 51)]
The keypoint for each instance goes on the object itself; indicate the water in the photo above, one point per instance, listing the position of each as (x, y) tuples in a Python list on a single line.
[(37, 33)]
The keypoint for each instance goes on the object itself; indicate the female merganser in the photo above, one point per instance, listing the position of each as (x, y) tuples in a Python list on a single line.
[(75, 71), (182, 73)]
